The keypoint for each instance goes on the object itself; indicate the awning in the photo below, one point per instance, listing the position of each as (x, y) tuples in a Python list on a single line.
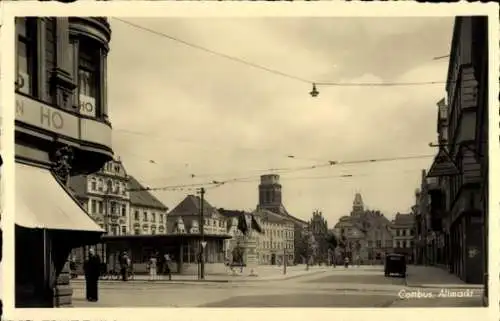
[(42, 202)]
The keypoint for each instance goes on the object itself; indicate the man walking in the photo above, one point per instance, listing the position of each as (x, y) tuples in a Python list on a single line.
[(167, 270), (92, 268), (124, 266)]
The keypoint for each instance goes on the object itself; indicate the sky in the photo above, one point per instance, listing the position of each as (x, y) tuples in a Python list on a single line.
[(179, 112)]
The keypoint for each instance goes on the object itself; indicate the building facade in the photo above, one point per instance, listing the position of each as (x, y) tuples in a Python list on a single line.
[(403, 235), (456, 197), (276, 243), (271, 199), (105, 196), (364, 233), (184, 219), (62, 129), (319, 230), (147, 215)]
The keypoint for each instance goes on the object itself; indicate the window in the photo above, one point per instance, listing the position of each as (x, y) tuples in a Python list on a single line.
[(26, 56), (161, 218), (124, 210), (100, 185), (88, 78), (145, 216), (113, 208), (117, 168), (101, 207), (153, 217), (379, 243), (93, 206), (124, 230), (153, 231), (136, 215)]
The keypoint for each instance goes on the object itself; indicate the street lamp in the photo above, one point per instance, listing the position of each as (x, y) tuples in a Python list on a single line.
[(314, 92)]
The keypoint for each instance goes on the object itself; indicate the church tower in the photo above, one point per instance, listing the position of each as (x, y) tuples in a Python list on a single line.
[(357, 205), (270, 192)]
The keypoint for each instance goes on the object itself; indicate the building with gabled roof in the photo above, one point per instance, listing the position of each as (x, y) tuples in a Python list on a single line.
[(148, 215), (367, 233)]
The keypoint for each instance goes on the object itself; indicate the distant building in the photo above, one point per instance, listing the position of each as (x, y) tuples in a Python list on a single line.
[(270, 199), (185, 219), (367, 233), (319, 230), (148, 215), (403, 232), (104, 195)]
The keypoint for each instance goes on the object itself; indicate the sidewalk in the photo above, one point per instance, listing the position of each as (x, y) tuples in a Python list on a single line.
[(435, 277), (263, 273)]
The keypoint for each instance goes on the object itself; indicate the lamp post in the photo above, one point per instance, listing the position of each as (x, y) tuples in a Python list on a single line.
[(202, 243)]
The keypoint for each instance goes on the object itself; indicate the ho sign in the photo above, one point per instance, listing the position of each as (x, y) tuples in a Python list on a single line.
[(87, 106)]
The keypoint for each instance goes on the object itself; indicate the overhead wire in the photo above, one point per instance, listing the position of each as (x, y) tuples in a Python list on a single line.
[(275, 71), (283, 170)]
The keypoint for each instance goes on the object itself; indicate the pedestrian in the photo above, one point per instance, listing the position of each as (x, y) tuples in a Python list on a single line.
[(152, 268), (346, 262), (167, 269), (124, 266), (92, 268)]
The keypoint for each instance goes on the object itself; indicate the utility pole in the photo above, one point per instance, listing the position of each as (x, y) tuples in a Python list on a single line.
[(202, 235), (284, 259)]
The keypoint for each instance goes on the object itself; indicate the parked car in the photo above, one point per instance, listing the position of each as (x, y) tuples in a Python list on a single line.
[(395, 264)]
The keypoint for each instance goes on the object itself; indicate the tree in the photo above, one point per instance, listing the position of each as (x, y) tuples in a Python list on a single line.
[(331, 240)]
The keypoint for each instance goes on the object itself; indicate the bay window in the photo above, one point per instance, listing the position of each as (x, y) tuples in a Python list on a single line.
[(89, 78), (26, 56)]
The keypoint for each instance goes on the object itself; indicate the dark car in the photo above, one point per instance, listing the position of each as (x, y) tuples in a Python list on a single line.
[(395, 264)]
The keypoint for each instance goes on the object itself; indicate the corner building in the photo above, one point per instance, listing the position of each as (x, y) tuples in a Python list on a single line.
[(61, 130)]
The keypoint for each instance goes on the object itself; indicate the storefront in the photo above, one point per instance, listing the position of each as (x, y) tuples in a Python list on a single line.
[(55, 138), (183, 249), (49, 223)]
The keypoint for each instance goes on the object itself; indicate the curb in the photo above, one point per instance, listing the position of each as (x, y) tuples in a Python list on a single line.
[(195, 281)]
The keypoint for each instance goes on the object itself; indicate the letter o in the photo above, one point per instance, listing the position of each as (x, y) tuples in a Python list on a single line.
[(57, 120), (88, 107)]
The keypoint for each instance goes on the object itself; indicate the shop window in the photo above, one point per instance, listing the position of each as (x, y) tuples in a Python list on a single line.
[(26, 30), (88, 78)]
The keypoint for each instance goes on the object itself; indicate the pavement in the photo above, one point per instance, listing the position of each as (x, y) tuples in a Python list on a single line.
[(355, 287), (261, 273)]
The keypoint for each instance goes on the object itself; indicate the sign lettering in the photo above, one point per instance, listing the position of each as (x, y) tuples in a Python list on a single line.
[(87, 106), (40, 115), (52, 119)]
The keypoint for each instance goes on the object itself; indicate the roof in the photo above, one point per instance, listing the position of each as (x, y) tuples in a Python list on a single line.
[(404, 219), (190, 206), (78, 185), (139, 196), (272, 217)]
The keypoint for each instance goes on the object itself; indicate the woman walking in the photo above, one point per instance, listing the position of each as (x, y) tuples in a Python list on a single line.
[(92, 268), (152, 268)]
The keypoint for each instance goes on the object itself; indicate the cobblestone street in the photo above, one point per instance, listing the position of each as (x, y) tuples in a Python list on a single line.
[(326, 287)]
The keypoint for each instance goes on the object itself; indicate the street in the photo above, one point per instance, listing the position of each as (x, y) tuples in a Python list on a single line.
[(355, 287)]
